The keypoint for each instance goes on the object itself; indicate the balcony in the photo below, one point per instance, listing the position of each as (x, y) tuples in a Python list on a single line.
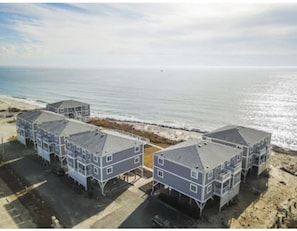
[(223, 175), (235, 168), (72, 154), (83, 160), (261, 151), (86, 173), (221, 191)]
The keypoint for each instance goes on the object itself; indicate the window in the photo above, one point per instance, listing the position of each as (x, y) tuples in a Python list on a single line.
[(238, 157), (78, 149), (160, 173), (136, 160), (95, 170), (194, 174), (108, 159), (136, 149), (250, 160), (210, 175), (109, 170), (95, 158), (68, 145), (209, 188), (160, 161), (193, 188)]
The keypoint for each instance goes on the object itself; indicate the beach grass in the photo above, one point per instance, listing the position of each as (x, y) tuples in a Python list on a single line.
[(111, 124)]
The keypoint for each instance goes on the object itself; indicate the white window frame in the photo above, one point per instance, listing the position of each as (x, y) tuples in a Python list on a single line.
[(194, 174), (194, 190), (160, 173), (136, 149), (96, 170), (108, 158), (136, 160), (209, 188), (109, 170), (95, 158), (210, 175), (161, 161)]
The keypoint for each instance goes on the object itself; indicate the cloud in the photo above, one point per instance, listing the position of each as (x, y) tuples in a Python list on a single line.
[(146, 34)]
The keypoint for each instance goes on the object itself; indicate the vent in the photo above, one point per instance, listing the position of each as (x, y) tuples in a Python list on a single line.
[(199, 146), (205, 143)]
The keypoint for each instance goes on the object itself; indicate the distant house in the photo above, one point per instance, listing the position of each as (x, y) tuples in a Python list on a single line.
[(101, 156), (71, 109), (255, 145), (200, 170), (51, 137), (27, 123)]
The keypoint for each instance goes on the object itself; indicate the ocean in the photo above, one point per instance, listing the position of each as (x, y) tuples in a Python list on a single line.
[(199, 98)]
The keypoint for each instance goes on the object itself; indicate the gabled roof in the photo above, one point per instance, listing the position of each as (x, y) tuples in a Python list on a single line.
[(202, 155), (66, 127), (238, 135), (40, 116), (102, 143), (67, 104)]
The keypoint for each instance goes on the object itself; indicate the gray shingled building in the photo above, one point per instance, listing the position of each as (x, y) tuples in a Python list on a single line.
[(51, 137), (200, 170), (255, 145), (71, 109), (101, 156), (27, 123)]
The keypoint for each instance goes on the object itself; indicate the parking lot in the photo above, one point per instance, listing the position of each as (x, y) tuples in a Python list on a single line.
[(123, 206)]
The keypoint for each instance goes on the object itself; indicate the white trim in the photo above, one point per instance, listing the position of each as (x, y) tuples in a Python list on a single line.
[(186, 179), (95, 158), (114, 163), (109, 170), (195, 175), (194, 187), (185, 166), (209, 188), (210, 175), (108, 158), (136, 160), (96, 170), (160, 161), (160, 173), (136, 149)]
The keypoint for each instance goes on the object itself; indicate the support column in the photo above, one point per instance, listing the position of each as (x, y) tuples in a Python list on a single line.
[(153, 188), (102, 185), (201, 206)]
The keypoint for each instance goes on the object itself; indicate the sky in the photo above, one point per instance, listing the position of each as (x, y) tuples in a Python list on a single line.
[(148, 34)]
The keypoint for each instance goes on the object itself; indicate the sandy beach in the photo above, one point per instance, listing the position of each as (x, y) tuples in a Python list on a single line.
[(278, 197), (7, 126)]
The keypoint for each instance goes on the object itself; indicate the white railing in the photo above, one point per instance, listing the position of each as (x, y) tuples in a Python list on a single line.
[(235, 169), (223, 175), (221, 191), (72, 154), (83, 160)]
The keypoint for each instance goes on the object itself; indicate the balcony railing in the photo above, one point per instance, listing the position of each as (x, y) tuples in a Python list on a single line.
[(234, 169), (221, 191), (72, 154), (83, 160), (223, 175), (88, 172), (261, 152)]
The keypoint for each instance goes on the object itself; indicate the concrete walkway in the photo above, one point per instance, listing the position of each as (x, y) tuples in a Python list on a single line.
[(12, 213)]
